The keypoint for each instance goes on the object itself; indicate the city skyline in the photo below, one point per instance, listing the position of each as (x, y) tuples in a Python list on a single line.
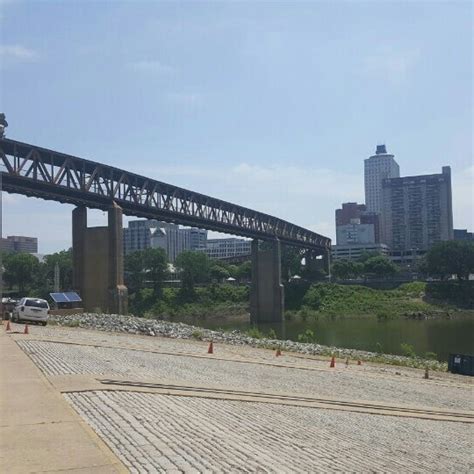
[(270, 108)]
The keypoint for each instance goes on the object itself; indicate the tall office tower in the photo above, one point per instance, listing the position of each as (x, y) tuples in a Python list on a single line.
[(172, 239), (378, 167), (143, 234), (198, 238), (417, 211), (138, 234)]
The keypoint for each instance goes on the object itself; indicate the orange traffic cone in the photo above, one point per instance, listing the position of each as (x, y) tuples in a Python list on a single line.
[(278, 352), (26, 331), (359, 362), (8, 328), (333, 362), (211, 348)]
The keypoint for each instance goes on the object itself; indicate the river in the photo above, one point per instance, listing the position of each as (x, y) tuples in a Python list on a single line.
[(441, 336)]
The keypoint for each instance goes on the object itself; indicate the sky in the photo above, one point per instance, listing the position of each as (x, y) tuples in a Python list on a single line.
[(270, 105)]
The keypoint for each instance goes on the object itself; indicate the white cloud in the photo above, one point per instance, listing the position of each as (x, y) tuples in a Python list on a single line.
[(391, 65), (153, 66), (18, 52)]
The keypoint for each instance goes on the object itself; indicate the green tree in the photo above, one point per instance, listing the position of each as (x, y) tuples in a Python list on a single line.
[(452, 257), (244, 271), (233, 270), (155, 266), (134, 274), (380, 266), (149, 265), (194, 267), (365, 255), (347, 269), (64, 260), (20, 270), (219, 272)]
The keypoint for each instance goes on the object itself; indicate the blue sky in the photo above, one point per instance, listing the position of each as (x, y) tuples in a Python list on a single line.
[(270, 105)]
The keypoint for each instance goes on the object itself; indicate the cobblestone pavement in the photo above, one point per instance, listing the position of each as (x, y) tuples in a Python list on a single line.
[(62, 359), (155, 432), (152, 433)]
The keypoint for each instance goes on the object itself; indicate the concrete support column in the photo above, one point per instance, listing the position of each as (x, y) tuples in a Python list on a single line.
[(98, 262), (118, 295), (267, 292), (79, 227), (327, 263)]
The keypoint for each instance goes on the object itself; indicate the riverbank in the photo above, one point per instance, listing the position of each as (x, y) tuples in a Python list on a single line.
[(304, 301), (151, 327)]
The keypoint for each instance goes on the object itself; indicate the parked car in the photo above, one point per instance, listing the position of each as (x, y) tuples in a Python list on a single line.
[(31, 309)]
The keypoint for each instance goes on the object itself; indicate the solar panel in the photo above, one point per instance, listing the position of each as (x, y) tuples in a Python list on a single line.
[(68, 297), (72, 296), (59, 297)]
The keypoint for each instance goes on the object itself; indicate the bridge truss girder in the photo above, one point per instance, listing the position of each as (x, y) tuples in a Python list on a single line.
[(43, 173)]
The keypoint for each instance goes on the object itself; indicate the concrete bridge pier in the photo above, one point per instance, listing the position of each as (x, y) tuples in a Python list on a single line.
[(267, 292), (313, 263), (327, 263), (98, 262)]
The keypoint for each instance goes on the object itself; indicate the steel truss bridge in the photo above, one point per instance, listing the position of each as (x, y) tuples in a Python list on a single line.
[(47, 174)]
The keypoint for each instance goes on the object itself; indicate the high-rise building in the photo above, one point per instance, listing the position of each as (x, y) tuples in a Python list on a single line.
[(198, 238), (355, 233), (378, 167), (172, 239), (417, 211), (138, 234), (19, 243), (226, 248), (349, 211), (463, 234), (352, 210), (143, 234)]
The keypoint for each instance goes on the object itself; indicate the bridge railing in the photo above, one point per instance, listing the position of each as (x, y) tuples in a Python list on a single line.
[(48, 174)]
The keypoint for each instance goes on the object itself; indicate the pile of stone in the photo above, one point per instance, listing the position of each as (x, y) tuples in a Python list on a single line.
[(153, 327)]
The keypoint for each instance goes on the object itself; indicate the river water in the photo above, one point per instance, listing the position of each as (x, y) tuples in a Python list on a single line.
[(441, 336)]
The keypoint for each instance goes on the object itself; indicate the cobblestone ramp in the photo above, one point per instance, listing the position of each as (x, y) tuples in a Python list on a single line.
[(65, 359), (152, 433)]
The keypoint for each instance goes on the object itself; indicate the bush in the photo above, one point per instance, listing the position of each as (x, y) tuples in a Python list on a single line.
[(407, 350), (307, 336), (254, 332), (430, 355), (197, 335), (272, 334), (331, 298), (459, 293)]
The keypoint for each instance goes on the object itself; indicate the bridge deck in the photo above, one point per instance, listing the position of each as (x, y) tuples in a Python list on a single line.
[(39, 172)]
